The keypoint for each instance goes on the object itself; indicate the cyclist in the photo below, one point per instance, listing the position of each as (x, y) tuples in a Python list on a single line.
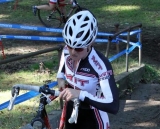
[(88, 73), (51, 6)]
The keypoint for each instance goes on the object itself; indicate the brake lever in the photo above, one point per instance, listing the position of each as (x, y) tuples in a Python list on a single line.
[(74, 115), (15, 93)]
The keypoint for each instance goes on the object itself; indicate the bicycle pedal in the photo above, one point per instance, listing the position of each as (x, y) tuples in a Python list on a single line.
[(48, 18)]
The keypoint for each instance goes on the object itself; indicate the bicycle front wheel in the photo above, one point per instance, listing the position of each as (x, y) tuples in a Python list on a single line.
[(50, 18)]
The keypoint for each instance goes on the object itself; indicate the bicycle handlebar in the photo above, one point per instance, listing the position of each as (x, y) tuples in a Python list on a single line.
[(16, 89)]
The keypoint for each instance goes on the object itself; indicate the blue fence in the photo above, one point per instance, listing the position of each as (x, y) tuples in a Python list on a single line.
[(4, 1), (117, 39)]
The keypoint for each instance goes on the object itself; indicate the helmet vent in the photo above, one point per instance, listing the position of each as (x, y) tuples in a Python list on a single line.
[(91, 26), (84, 25), (86, 36), (79, 16), (66, 29), (69, 41), (86, 18), (89, 41), (95, 31), (66, 40), (74, 22), (70, 31), (79, 34), (74, 43), (79, 45)]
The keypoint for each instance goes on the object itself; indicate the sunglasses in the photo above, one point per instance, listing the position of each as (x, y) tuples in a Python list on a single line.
[(76, 49)]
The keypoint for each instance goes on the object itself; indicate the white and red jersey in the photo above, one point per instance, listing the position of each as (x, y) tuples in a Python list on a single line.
[(94, 77), (55, 1)]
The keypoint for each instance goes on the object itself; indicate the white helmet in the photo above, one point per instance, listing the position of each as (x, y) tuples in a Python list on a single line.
[(80, 30)]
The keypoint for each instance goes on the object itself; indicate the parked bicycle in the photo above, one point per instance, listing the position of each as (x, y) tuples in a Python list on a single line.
[(56, 18), (41, 120)]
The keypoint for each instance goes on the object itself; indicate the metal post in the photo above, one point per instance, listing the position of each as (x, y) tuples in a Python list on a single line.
[(127, 48), (117, 44), (140, 48)]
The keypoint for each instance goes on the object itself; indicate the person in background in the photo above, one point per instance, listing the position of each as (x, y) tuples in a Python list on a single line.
[(51, 6), (88, 73)]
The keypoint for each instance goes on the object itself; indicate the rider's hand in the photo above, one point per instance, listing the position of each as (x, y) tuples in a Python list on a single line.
[(68, 94)]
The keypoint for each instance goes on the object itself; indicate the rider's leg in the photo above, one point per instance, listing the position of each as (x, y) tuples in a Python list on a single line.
[(51, 6)]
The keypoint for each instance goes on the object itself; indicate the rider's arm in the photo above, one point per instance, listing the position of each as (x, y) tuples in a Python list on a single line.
[(110, 100), (61, 71), (61, 83)]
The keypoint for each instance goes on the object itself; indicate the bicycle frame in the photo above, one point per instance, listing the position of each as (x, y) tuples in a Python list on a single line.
[(71, 10), (42, 116)]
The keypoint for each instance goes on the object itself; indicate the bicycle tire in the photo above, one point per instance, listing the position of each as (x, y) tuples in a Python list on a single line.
[(50, 18)]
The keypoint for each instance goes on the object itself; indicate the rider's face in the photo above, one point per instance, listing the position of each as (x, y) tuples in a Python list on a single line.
[(77, 53)]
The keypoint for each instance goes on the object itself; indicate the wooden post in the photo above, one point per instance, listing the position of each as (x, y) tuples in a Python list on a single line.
[(1, 45), (108, 45)]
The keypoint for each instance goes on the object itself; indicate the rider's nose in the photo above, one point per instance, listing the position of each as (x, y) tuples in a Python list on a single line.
[(73, 51)]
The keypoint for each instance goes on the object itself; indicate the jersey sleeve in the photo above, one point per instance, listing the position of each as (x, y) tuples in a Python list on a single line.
[(110, 100), (61, 70)]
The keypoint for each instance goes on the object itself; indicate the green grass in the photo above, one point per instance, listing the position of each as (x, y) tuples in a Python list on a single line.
[(108, 12)]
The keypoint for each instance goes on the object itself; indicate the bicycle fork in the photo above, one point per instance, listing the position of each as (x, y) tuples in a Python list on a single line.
[(41, 120)]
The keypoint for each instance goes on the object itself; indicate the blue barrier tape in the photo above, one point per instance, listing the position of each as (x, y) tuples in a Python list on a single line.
[(35, 28), (117, 55), (104, 34), (122, 53), (25, 96), (44, 38), (131, 33), (131, 43), (59, 39), (4, 1), (104, 41), (139, 45)]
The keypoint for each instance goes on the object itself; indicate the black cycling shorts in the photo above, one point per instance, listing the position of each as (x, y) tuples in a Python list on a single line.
[(86, 118)]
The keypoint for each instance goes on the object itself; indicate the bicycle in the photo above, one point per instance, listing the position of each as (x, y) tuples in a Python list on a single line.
[(41, 120), (56, 18)]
